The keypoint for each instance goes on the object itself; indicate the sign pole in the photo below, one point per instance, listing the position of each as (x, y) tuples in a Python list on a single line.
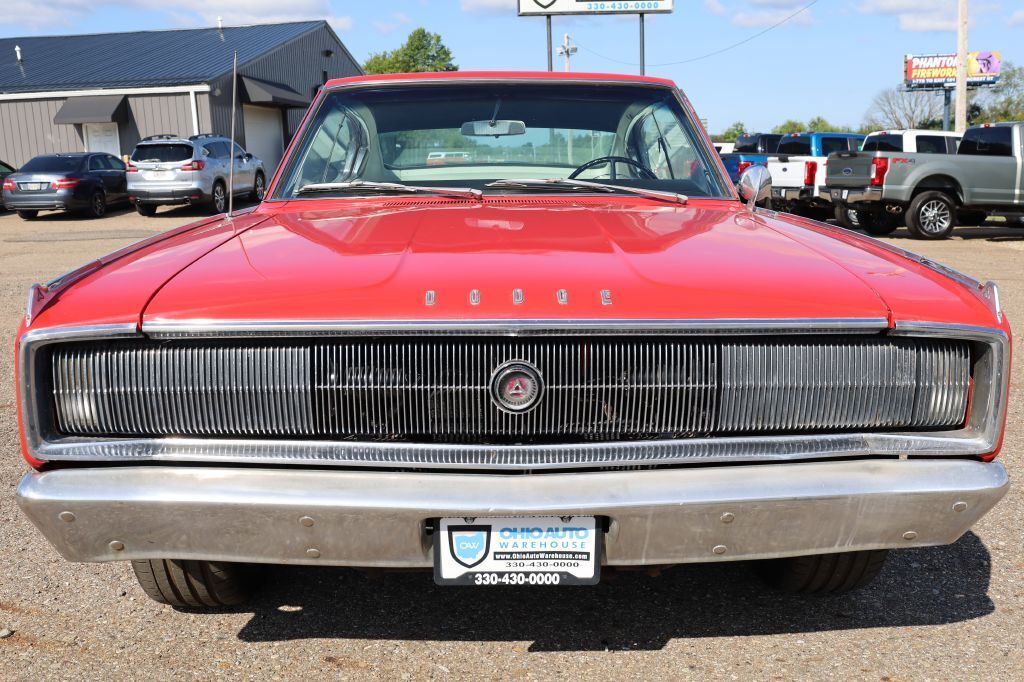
[(643, 70), (550, 64), (946, 97)]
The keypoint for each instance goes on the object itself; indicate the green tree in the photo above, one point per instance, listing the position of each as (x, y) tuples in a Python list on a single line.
[(732, 132), (422, 51), (1005, 101), (789, 126)]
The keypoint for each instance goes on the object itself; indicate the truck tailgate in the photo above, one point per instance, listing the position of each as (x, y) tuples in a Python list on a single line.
[(788, 173), (849, 169)]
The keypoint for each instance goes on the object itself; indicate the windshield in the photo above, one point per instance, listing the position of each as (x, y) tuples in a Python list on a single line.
[(53, 164), (473, 134), (883, 143), (162, 153)]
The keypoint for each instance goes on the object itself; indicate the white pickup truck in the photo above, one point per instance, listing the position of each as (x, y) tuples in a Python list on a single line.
[(798, 170)]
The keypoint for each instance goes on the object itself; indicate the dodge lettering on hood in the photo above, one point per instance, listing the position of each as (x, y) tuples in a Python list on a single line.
[(511, 328)]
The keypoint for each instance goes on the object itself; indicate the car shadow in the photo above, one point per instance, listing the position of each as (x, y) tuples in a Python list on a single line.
[(627, 611), (78, 216)]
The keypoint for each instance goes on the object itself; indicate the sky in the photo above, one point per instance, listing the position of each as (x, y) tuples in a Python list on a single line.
[(828, 60)]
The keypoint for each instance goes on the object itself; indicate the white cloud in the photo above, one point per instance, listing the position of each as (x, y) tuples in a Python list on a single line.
[(1017, 18), (915, 15), (715, 7), (396, 21), (769, 17), (35, 15), (489, 5)]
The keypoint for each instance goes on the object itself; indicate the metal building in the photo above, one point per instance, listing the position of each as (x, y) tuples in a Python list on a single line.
[(105, 92)]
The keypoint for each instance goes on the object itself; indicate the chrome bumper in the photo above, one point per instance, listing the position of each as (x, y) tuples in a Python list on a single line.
[(358, 518), (792, 193), (852, 195)]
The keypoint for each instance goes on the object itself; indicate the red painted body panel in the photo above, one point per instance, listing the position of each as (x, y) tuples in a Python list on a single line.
[(376, 259)]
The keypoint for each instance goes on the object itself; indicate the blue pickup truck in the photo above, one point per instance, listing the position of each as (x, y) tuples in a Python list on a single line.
[(751, 149)]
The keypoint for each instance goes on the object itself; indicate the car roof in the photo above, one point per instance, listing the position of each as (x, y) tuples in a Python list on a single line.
[(539, 76)]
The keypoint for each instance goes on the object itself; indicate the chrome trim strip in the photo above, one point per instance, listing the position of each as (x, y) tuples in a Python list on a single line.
[(980, 435), (379, 518), (216, 328)]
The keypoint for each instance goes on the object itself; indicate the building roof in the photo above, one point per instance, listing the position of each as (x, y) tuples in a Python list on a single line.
[(137, 59)]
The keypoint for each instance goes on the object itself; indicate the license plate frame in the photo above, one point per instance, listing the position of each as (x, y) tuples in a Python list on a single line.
[(518, 550)]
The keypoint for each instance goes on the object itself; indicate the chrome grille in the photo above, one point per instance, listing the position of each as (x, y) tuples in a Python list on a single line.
[(437, 390)]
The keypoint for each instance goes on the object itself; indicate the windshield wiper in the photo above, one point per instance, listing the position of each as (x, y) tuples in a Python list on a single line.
[(370, 187), (585, 185)]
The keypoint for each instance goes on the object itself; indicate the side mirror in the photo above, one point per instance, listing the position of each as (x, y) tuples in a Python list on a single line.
[(755, 186), (247, 157)]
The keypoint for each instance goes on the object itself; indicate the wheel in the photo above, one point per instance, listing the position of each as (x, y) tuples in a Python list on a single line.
[(878, 224), (148, 210), (847, 217), (219, 198), (192, 583), (97, 205), (259, 188), (28, 215), (823, 573), (931, 215), (971, 217)]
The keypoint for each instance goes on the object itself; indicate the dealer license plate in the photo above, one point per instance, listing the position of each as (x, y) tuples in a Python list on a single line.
[(536, 550), (158, 175)]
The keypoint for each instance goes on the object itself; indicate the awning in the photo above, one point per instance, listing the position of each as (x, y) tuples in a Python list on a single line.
[(99, 109), (265, 92)]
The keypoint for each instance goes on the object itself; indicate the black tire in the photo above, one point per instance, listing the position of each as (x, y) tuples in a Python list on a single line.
[(97, 205), (971, 217), (931, 215), (878, 224), (195, 584), (148, 210), (219, 198), (28, 215), (823, 573), (259, 188), (847, 217)]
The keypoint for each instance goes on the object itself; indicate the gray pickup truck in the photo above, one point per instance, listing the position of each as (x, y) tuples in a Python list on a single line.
[(932, 191)]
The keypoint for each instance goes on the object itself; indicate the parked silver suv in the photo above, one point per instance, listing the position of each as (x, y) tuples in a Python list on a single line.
[(167, 169)]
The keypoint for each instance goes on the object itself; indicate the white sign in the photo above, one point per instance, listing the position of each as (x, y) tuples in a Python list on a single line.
[(542, 7)]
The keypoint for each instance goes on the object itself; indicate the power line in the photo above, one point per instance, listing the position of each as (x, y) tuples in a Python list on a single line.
[(716, 52)]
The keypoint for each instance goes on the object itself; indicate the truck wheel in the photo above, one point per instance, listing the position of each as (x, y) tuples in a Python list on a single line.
[(931, 215), (823, 573), (878, 224), (848, 217), (148, 210), (194, 584)]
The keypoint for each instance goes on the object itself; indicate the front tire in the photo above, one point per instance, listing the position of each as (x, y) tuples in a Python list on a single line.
[(28, 215), (823, 573), (931, 215), (195, 584)]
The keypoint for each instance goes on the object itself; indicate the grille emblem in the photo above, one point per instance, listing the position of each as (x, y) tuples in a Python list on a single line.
[(516, 386)]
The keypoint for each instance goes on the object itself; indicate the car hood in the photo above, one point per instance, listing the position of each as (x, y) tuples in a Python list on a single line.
[(545, 258)]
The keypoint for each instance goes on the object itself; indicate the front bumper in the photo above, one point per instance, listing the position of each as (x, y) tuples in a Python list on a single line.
[(360, 518), (850, 195)]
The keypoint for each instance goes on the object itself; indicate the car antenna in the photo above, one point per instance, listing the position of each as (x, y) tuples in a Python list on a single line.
[(231, 168)]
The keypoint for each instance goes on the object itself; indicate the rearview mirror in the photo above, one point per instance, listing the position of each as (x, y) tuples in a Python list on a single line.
[(493, 128), (755, 186)]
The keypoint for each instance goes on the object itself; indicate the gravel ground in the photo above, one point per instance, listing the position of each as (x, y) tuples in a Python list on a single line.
[(937, 613)]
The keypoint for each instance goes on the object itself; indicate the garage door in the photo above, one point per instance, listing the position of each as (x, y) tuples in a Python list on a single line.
[(264, 135)]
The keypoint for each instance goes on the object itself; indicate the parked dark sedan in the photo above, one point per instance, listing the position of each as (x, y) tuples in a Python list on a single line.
[(86, 182)]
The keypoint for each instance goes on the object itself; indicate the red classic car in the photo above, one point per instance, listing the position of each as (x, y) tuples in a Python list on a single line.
[(581, 348)]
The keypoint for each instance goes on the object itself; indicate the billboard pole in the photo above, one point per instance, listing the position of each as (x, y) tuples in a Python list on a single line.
[(550, 65), (947, 95), (961, 67), (643, 70)]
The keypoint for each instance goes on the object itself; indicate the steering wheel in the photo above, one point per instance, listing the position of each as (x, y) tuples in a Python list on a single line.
[(645, 172)]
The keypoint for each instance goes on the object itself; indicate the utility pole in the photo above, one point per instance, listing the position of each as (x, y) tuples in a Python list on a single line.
[(961, 66), (550, 65), (566, 50), (643, 68)]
